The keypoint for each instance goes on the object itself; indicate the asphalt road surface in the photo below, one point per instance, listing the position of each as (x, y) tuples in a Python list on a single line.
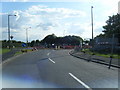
[(56, 69)]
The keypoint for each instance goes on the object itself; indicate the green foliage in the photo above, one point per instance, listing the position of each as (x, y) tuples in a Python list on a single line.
[(5, 43), (69, 40), (47, 41), (112, 27), (87, 51), (18, 53), (4, 50), (50, 39)]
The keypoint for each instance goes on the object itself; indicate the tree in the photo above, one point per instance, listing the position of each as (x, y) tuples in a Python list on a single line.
[(37, 42), (113, 26), (50, 39), (67, 40), (32, 43)]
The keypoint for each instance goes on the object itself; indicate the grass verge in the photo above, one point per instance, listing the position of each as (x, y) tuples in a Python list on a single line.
[(4, 50), (17, 53), (116, 56), (20, 52)]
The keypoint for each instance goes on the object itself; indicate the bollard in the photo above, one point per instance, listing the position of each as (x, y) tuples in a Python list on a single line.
[(110, 62)]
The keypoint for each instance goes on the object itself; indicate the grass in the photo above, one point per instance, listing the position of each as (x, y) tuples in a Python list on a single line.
[(0, 51), (4, 50), (108, 55), (19, 52), (116, 56)]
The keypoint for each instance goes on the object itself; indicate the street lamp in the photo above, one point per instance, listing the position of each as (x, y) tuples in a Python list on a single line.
[(27, 35), (9, 29), (92, 20), (92, 24)]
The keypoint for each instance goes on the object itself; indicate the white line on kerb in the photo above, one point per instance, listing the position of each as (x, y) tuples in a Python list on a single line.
[(51, 60), (86, 86)]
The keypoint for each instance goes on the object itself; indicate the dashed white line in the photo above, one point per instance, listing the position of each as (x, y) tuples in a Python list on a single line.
[(48, 54), (51, 60), (86, 86)]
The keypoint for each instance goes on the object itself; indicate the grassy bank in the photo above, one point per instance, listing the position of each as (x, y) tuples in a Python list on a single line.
[(17, 53), (116, 56), (4, 50), (25, 51)]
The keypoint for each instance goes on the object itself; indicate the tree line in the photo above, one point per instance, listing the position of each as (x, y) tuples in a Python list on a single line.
[(49, 40), (112, 27), (52, 39)]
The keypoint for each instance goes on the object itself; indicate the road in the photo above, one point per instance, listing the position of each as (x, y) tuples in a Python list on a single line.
[(56, 69)]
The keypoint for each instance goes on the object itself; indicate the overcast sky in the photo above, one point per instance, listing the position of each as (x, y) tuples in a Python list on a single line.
[(51, 16)]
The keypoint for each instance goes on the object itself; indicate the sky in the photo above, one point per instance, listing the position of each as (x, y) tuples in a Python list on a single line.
[(61, 17)]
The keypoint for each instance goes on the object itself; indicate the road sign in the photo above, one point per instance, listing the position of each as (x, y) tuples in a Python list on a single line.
[(24, 45)]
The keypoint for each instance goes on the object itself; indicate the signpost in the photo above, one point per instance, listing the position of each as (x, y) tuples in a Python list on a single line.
[(24, 45)]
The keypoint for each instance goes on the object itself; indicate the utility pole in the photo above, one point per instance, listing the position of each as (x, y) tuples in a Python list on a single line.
[(9, 29), (27, 35), (92, 20), (112, 44), (8, 32)]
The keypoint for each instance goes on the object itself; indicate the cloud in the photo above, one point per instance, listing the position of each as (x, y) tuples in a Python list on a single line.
[(43, 20), (3, 13), (46, 26), (17, 14), (58, 12), (45, 0)]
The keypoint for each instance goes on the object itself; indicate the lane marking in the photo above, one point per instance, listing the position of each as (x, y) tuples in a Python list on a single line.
[(51, 60), (48, 54), (69, 52), (86, 86)]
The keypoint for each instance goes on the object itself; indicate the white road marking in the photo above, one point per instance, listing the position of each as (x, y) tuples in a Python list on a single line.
[(48, 54), (51, 60), (86, 86), (69, 52)]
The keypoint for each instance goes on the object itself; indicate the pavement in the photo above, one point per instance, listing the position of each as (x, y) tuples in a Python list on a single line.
[(95, 58), (56, 69)]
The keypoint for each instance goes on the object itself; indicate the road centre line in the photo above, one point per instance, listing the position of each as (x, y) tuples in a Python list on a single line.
[(86, 86), (51, 60), (48, 54)]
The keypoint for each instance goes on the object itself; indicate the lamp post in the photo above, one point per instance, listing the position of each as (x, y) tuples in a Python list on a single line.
[(9, 29), (27, 35), (92, 23), (92, 20)]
